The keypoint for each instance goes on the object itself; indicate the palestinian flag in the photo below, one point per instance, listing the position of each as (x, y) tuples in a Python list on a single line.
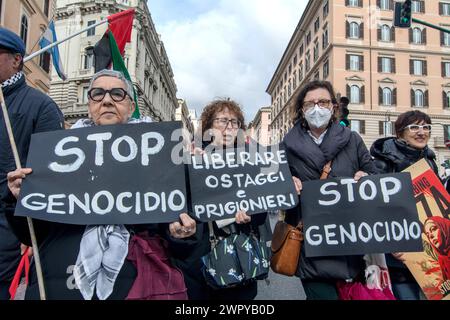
[(112, 46)]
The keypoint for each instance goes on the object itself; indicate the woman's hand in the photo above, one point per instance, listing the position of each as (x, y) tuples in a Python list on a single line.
[(399, 256), (183, 229), (242, 217), (298, 185), (15, 180), (359, 175)]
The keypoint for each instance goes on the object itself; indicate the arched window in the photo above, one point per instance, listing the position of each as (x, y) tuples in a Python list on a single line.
[(355, 94), (24, 29), (354, 30), (387, 97), (385, 33), (418, 97), (417, 36), (89, 57)]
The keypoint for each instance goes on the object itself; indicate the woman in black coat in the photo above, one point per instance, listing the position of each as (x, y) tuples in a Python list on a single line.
[(394, 154), (315, 139), (222, 127)]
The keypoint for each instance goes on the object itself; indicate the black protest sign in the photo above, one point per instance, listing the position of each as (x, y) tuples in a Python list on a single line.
[(121, 174), (374, 215), (253, 179)]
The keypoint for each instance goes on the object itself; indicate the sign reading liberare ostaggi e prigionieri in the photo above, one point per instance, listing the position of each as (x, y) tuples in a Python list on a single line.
[(374, 215), (121, 174), (252, 178)]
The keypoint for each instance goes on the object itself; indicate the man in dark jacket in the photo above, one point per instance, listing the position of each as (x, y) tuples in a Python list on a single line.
[(30, 111)]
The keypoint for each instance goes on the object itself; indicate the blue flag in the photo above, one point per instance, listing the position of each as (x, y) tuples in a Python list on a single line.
[(49, 37)]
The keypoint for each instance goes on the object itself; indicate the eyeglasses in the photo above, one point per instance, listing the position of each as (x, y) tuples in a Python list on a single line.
[(416, 127), (223, 123), (322, 103), (98, 94)]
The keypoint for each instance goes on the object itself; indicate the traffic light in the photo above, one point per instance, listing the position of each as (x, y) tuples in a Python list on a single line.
[(403, 14), (343, 111)]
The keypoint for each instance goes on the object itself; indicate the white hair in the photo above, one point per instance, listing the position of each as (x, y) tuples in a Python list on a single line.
[(116, 74)]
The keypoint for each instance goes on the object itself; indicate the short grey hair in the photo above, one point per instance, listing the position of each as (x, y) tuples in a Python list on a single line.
[(116, 74)]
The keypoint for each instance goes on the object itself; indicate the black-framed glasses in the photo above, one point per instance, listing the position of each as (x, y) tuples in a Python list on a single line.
[(98, 94), (416, 127), (223, 123), (322, 103)]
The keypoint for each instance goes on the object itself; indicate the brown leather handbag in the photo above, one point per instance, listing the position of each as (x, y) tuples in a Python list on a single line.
[(287, 241), (286, 245)]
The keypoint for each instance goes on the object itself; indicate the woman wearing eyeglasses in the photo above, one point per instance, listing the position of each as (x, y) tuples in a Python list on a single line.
[(103, 262), (316, 139), (222, 127), (394, 154)]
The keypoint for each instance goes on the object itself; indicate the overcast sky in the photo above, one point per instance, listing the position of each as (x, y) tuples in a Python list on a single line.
[(225, 48)]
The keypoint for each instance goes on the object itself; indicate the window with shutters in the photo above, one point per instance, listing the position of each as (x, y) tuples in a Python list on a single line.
[(44, 61), (387, 97), (444, 9), (316, 51), (325, 39), (354, 62), (289, 88), (307, 62), (353, 3), (386, 128), (89, 58), (308, 38), (294, 80), (317, 25), (355, 94), (300, 73), (385, 33), (385, 4), (24, 28), (91, 32), (417, 36), (418, 67), (354, 31), (386, 65), (326, 69), (301, 50), (446, 99), (446, 69), (358, 126), (326, 10), (295, 60), (446, 39), (419, 98), (46, 7)]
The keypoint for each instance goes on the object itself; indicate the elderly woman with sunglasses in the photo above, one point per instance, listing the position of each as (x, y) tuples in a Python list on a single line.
[(394, 154), (93, 261)]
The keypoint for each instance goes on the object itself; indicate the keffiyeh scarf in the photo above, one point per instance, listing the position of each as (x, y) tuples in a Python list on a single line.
[(16, 77)]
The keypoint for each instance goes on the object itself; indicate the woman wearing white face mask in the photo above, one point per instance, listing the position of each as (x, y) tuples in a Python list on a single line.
[(316, 139)]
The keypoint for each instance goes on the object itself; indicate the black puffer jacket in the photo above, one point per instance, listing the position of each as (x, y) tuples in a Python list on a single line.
[(394, 155), (306, 159)]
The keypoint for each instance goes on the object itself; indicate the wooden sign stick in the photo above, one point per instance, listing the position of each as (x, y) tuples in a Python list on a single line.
[(29, 220)]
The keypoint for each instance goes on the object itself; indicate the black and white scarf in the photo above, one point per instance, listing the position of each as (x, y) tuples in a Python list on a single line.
[(15, 77)]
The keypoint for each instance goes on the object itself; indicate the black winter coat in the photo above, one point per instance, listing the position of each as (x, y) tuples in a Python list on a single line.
[(30, 111), (394, 155), (306, 160)]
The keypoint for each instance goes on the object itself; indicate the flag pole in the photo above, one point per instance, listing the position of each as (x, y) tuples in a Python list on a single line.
[(29, 220), (35, 54)]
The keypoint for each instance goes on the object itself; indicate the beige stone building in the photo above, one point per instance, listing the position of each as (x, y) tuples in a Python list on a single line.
[(29, 19), (145, 57), (383, 70), (182, 114), (259, 128)]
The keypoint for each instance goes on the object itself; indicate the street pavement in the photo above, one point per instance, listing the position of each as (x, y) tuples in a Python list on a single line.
[(279, 287)]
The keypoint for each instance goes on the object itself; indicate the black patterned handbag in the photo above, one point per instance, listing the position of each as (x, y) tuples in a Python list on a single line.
[(235, 260)]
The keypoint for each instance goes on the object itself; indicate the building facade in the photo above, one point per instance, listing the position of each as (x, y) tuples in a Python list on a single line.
[(182, 114), (29, 19), (259, 128), (145, 58), (383, 70)]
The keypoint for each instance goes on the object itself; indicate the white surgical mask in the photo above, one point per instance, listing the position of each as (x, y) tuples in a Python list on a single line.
[(318, 117)]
